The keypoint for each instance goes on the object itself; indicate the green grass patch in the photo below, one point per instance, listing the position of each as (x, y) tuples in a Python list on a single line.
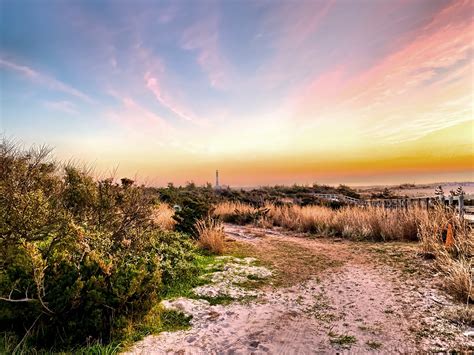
[(205, 263), (156, 321), (9, 342)]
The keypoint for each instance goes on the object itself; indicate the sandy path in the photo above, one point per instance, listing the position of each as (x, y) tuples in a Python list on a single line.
[(358, 304)]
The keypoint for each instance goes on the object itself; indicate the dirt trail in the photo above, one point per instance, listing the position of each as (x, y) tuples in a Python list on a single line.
[(333, 296)]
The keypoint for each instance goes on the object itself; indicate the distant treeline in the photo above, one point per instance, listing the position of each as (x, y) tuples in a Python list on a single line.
[(296, 194)]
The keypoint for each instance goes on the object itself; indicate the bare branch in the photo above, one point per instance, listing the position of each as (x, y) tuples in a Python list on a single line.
[(26, 299)]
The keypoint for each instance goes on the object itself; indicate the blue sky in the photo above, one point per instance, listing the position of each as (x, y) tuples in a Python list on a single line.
[(171, 90)]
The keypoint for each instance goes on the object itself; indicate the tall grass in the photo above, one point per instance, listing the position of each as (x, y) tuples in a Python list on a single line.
[(368, 223), (456, 260), (229, 207), (211, 234), (239, 213)]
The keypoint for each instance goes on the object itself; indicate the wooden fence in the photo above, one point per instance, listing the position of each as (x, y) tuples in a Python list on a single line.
[(455, 202), (458, 203)]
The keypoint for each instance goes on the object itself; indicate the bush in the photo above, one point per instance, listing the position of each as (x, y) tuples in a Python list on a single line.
[(79, 259), (194, 204)]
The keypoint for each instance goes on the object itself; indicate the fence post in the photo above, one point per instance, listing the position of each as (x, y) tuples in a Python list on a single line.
[(461, 205), (441, 199)]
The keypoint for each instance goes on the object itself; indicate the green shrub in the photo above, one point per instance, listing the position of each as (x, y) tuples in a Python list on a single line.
[(79, 259), (194, 203)]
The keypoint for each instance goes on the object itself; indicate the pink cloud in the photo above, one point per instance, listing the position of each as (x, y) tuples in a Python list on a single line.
[(296, 22), (203, 38), (288, 28), (153, 85), (167, 14), (136, 117), (44, 79), (442, 44)]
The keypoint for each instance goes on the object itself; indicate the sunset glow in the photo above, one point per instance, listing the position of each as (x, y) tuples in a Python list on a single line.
[(268, 92)]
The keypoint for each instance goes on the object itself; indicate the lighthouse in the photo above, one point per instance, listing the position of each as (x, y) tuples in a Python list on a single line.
[(217, 179)]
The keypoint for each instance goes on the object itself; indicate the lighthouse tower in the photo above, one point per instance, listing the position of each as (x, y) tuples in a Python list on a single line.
[(217, 179)]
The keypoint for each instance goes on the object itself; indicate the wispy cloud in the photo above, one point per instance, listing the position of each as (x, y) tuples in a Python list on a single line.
[(44, 79), (62, 106), (288, 29), (136, 117), (167, 14), (153, 84), (203, 38), (404, 95)]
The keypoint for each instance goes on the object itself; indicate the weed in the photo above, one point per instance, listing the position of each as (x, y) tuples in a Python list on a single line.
[(319, 309), (373, 344), (343, 340), (462, 315)]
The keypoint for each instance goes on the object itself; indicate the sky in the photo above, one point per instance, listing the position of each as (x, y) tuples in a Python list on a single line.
[(268, 92)]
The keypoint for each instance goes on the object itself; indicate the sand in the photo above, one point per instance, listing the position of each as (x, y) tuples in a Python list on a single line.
[(364, 303)]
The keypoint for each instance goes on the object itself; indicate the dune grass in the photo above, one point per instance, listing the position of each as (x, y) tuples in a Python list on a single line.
[(455, 259), (431, 228), (358, 223), (211, 235)]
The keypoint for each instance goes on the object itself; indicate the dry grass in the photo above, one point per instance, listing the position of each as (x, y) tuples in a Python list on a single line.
[(211, 235), (291, 261), (456, 262), (381, 224), (369, 223), (163, 216), (229, 208)]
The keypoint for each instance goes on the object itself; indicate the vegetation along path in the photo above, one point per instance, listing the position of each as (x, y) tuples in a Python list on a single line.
[(325, 295)]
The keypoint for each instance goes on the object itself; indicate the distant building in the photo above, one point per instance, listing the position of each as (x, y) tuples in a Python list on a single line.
[(218, 185)]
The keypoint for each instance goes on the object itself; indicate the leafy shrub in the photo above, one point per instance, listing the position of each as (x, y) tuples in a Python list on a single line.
[(193, 208), (194, 204), (79, 259), (177, 257)]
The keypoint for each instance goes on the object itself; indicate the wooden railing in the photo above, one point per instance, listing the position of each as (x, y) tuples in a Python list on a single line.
[(455, 202), (458, 203)]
